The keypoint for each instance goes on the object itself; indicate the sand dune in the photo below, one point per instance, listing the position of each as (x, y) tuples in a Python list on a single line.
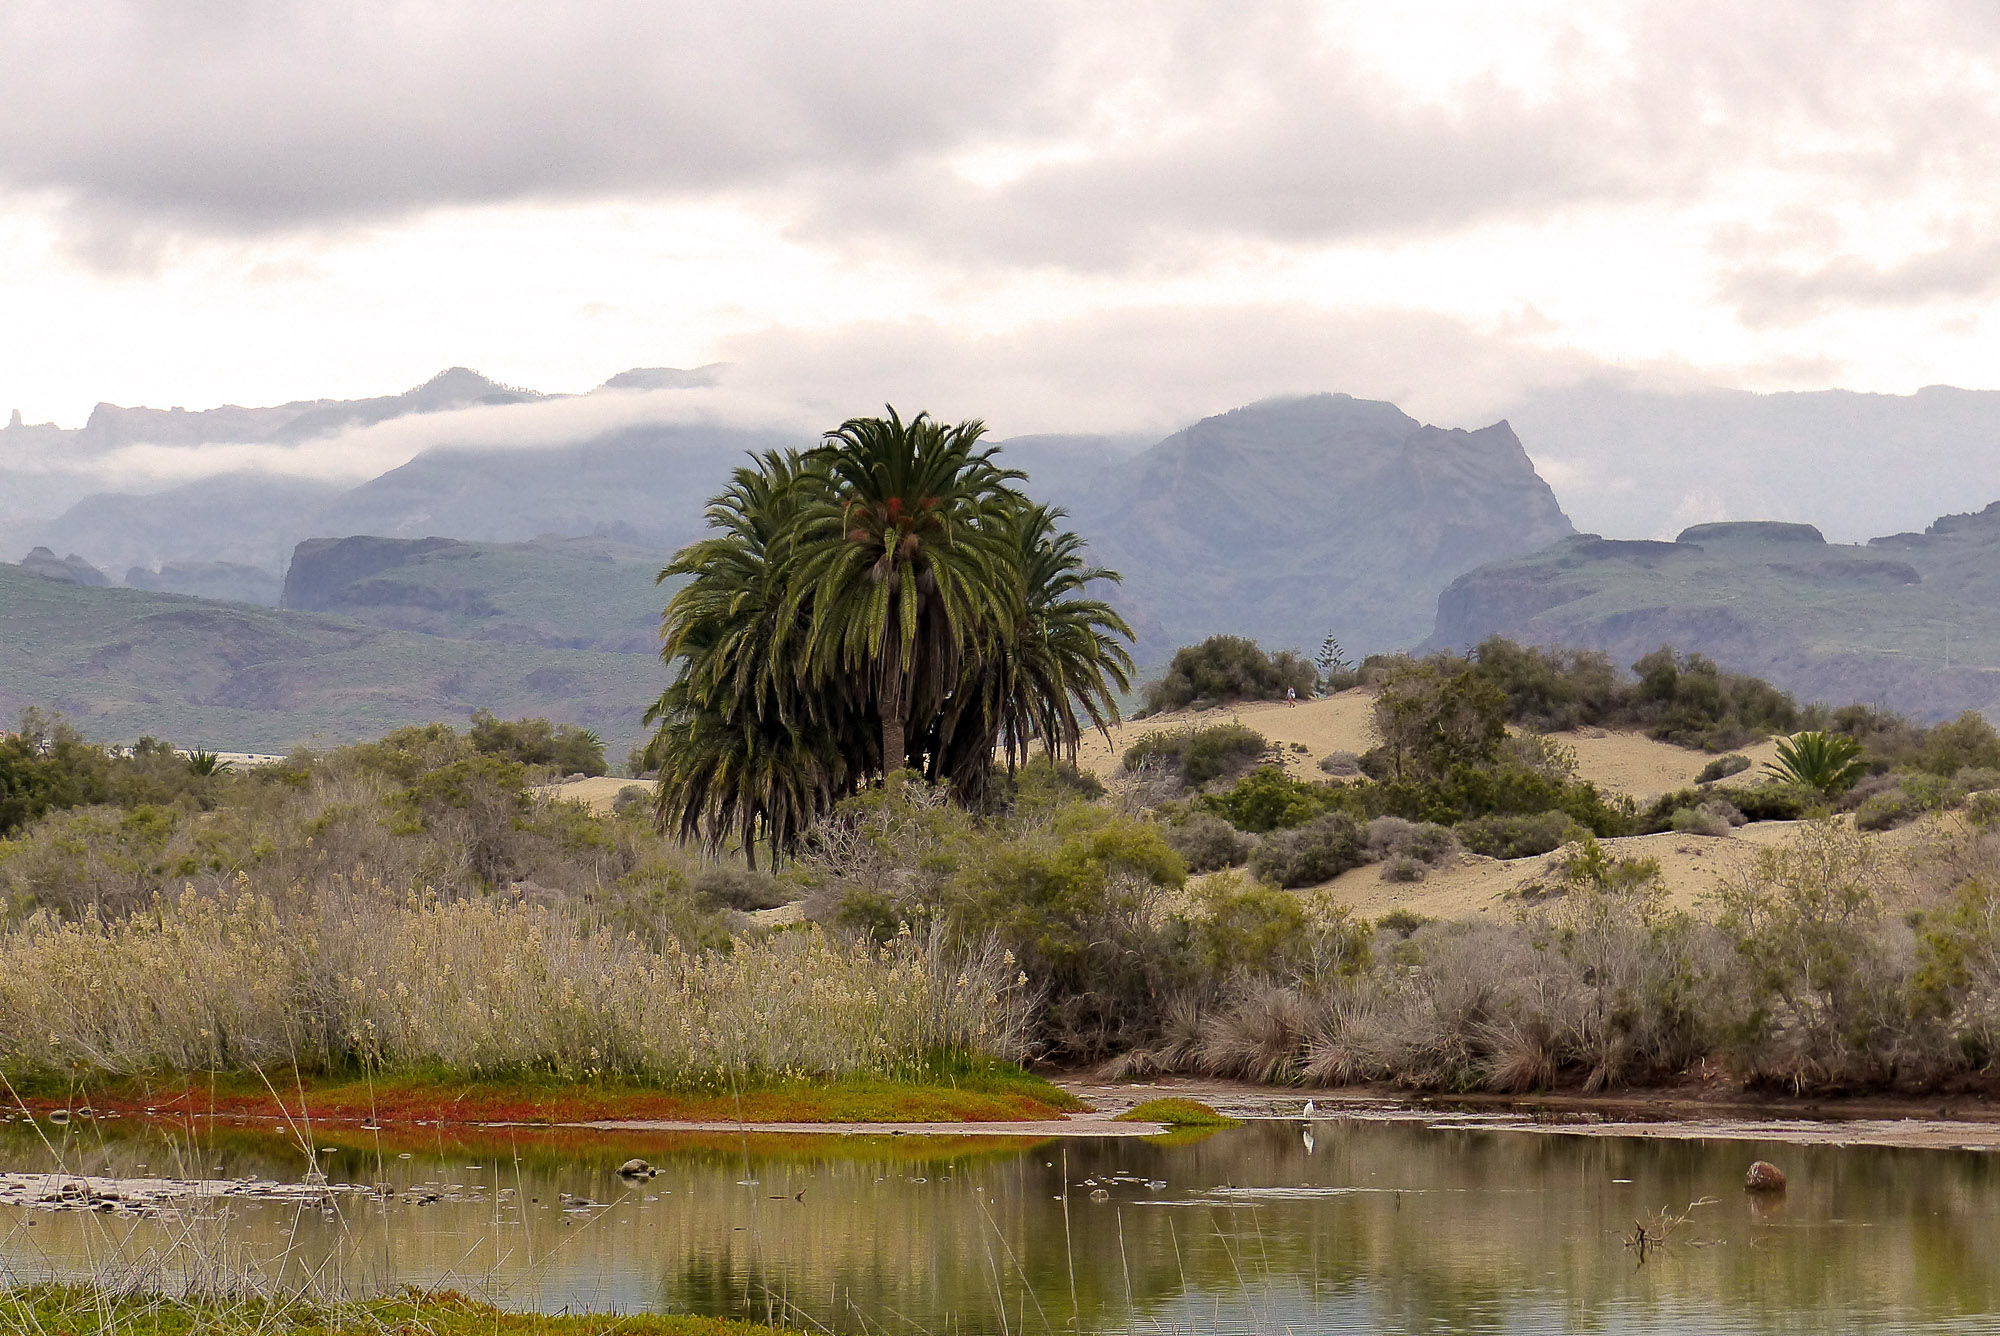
[(1621, 762)]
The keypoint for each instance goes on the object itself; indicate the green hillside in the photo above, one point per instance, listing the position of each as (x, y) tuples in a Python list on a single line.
[(1910, 621), (125, 662), (559, 593)]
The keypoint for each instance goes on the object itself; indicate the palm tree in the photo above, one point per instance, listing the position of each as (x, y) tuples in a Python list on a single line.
[(1063, 655), (884, 600), (740, 747), (1829, 762), (903, 561)]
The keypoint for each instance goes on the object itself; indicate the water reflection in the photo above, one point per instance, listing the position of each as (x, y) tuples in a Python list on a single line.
[(1338, 1224)]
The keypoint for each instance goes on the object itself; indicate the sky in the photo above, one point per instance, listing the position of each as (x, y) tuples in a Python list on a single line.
[(1112, 216)]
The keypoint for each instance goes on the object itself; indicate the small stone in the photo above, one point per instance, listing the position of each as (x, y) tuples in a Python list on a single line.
[(635, 1169), (1099, 1195), (1764, 1177)]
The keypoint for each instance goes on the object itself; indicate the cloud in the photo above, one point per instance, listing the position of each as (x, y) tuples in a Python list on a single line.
[(366, 452), (243, 116), (1150, 369), (1777, 294)]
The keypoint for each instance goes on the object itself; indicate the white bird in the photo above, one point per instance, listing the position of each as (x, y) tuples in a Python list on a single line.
[(1310, 1110)]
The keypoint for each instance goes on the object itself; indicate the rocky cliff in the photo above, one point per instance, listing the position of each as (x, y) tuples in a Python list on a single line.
[(1295, 517)]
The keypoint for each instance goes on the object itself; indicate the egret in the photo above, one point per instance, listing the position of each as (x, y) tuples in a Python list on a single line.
[(1310, 1110)]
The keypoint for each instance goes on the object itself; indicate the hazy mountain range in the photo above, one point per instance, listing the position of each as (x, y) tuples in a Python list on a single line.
[(508, 520)]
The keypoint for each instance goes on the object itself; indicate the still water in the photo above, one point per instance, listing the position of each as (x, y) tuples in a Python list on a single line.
[(1377, 1226)]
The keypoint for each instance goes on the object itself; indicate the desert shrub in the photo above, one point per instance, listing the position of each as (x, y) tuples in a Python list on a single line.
[(1722, 767), (1687, 699), (1433, 717), (1340, 764), (1269, 799), (1501, 789), (1518, 836), (1207, 843), (1426, 842), (1220, 751), (1824, 970), (1227, 668), (1551, 689), (1976, 779), (1772, 802), (1046, 783), (1402, 922), (742, 888), (632, 800), (1968, 740), (1698, 821), (1404, 868), (1886, 810), (1318, 851), (1723, 808), (566, 749), (1198, 756)]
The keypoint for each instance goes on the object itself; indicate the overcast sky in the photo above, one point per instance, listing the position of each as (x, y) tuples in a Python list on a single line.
[(1089, 216)]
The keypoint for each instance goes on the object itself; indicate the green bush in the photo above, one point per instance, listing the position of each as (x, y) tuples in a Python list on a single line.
[(1518, 836), (1722, 767), (1318, 851), (1697, 821), (566, 749), (1887, 810), (1228, 668), (1403, 868), (1199, 756), (1269, 799), (1551, 689)]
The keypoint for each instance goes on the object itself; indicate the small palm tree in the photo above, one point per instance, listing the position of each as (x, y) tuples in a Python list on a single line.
[(1829, 762), (206, 763)]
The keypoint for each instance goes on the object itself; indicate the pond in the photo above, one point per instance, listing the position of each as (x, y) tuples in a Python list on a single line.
[(1368, 1225)]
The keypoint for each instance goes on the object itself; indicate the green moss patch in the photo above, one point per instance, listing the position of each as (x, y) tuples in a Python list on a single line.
[(1177, 1113)]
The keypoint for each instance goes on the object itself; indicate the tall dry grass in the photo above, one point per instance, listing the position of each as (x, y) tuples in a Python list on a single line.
[(492, 985)]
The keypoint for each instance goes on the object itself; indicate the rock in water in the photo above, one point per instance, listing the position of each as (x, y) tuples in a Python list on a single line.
[(1764, 1177), (640, 1169)]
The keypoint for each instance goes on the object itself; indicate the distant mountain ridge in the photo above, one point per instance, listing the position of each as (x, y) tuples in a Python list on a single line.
[(1909, 620)]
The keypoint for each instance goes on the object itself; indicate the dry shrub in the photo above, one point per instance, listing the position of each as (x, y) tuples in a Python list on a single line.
[(490, 985)]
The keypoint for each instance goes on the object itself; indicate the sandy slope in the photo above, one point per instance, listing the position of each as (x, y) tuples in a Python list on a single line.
[(598, 793), (1619, 761)]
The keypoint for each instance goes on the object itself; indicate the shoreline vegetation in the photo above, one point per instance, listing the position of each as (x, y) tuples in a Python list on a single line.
[(70, 1308)]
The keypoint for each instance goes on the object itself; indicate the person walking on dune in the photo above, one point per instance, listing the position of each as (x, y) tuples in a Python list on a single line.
[(1292, 696)]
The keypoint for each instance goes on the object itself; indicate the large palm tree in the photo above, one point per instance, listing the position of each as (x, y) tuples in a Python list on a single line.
[(741, 748), (903, 560), (887, 599)]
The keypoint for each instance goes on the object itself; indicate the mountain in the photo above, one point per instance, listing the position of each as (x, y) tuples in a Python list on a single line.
[(1910, 621), (566, 593), (1295, 517), (44, 468), (126, 662), (1649, 463)]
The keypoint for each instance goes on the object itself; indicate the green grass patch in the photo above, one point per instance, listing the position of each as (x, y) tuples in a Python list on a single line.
[(73, 1309), (1177, 1113), (948, 1089)]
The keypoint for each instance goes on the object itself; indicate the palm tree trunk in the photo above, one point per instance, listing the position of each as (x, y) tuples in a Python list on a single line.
[(889, 700)]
